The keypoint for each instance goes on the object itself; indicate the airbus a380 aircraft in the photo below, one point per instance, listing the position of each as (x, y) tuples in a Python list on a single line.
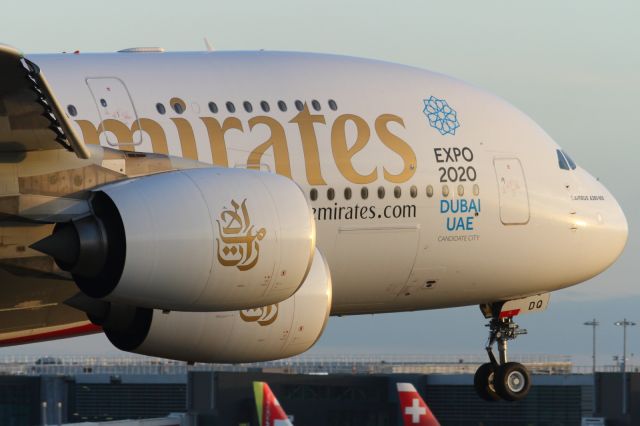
[(218, 207)]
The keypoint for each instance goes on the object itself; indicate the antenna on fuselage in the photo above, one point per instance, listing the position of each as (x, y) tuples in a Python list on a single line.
[(208, 45)]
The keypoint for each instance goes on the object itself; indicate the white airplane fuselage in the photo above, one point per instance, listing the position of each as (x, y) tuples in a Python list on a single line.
[(427, 192)]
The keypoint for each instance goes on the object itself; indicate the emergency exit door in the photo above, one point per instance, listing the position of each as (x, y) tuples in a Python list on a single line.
[(512, 188), (115, 108)]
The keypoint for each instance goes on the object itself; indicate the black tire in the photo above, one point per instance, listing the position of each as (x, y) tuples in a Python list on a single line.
[(483, 382), (512, 381)]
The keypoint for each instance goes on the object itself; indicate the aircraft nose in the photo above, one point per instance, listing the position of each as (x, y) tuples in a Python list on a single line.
[(605, 229), (616, 227)]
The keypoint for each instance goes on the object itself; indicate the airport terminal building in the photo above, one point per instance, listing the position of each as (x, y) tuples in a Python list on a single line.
[(61, 393)]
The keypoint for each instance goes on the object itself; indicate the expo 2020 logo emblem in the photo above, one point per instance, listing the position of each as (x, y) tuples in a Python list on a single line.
[(441, 116)]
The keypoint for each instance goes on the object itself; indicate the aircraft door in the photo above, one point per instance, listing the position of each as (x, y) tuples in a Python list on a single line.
[(114, 102), (512, 189)]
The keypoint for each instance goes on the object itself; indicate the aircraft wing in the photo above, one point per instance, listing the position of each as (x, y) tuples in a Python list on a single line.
[(32, 308), (31, 119)]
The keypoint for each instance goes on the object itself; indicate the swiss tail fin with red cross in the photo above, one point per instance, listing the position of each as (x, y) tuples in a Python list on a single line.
[(415, 411)]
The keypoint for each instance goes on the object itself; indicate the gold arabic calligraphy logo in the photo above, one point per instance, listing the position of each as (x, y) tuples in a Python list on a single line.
[(240, 245), (263, 316)]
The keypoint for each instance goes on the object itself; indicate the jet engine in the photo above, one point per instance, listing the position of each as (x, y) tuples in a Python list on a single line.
[(208, 239), (270, 332)]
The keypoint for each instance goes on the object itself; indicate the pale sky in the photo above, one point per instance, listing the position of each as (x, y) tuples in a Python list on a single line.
[(573, 66)]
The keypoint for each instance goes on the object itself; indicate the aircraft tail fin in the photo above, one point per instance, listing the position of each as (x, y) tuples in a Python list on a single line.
[(414, 410), (208, 45), (270, 413)]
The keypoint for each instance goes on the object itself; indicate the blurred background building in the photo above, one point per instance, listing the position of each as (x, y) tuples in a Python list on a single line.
[(315, 390)]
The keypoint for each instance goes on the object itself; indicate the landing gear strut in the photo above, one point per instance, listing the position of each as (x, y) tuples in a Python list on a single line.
[(499, 378)]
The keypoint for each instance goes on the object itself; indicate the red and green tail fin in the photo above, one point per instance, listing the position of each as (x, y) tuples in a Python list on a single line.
[(270, 413)]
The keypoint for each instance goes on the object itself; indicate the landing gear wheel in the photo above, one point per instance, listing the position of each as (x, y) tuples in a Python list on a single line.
[(483, 382), (512, 381)]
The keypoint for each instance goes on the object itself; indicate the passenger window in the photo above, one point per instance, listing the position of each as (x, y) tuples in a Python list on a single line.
[(445, 190), (313, 194), (381, 192), (103, 102), (332, 105), (72, 110), (397, 192), (364, 192), (231, 107), (265, 106), (331, 194), (299, 105), (178, 105), (413, 191), (213, 107), (282, 105), (476, 190), (247, 106), (429, 191), (562, 162), (460, 190), (315, 104), (347, 193), (161, 109)]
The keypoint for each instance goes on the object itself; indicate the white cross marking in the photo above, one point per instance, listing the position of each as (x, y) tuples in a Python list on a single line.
[(415, 411)]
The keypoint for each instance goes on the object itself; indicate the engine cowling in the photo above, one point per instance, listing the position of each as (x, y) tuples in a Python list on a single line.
[(272, 332), (192, 240)]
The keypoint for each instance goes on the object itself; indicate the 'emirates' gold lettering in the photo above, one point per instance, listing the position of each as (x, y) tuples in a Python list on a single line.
[(124, 134), (264, 316), (187, 138), (305, 121), (343, 155), (277, 142), (344, 151), (216, 134), (238, 245), (398, 146)]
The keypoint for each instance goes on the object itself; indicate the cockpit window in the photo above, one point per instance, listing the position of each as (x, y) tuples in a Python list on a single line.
[(572, 164), (562, 161)]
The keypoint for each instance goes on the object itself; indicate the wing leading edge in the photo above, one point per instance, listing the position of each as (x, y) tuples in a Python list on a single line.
[(31, 119)]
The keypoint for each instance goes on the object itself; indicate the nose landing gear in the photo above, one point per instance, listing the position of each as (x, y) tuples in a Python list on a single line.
[(499, 378)]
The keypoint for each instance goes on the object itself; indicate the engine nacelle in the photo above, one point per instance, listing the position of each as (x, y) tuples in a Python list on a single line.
[(209, 239), (272, 332)]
